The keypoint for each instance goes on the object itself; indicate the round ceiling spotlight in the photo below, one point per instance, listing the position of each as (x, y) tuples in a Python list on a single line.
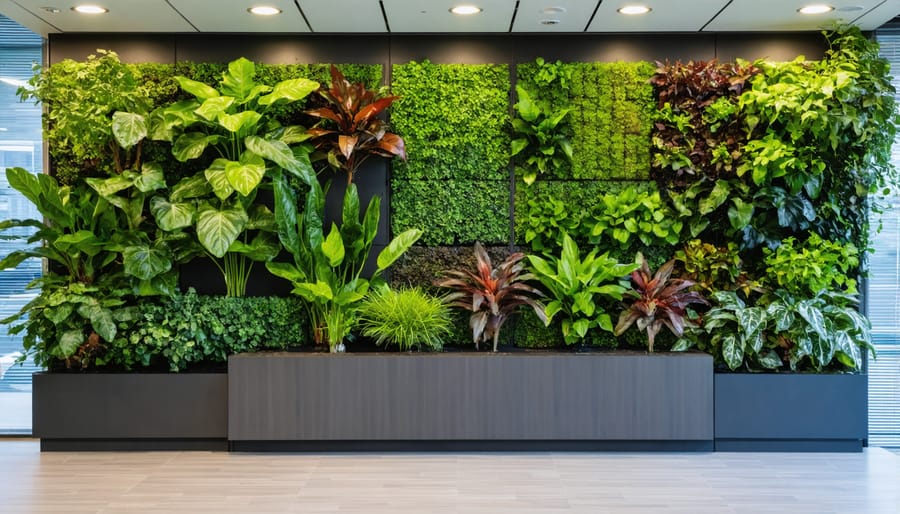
[(90, 9), (264, 10), (634, 9), (465, 10), (553, 10), (815, 9)]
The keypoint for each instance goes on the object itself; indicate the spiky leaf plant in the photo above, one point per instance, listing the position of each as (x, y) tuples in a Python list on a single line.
[(407, 317), (492, 294)]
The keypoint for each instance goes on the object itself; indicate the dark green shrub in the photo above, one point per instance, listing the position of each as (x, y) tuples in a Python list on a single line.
[(420, 266), (190, 329), (452, 211)]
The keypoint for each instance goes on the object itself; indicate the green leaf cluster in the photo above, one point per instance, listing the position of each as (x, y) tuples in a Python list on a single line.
[(577, 286), (188, 329), (454, 119), (540, 146), (634, 215), (452, 211), (805, 269)]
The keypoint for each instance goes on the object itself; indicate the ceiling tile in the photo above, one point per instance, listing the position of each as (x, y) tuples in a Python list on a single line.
[(573, 18), (874, 18), (123, 16), (666, 16), (25, 18), (780, 15), (232, 16), (413, 16), (344, 15)]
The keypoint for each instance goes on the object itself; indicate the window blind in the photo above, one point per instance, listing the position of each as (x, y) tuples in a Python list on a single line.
[(883, 295)]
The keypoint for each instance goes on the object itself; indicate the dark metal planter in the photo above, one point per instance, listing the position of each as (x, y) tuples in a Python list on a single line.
[(130, 411), (791, 412), (478, 401)]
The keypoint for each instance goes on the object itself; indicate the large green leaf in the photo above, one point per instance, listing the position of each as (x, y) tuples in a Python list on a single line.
[(528, 110), (147, 261), (370, 219), (286, 271), (740, 213), (275, 151), (314, 292), (101, 319), (128, 128), (198, 89), (171, 216), (82, 241), (218, 229), (716, 198), (26, 183), (783, 316), (245, 176), (286, 212), (212, 108), (191, 145), (397, 247), (238, 80), (195, 186), (242, 122), (68, 343), (752, 320), (290, 90), (109, 186), (813, 316), (333, 247), (732, 351), (217, 178), (264, 247), (151, 178)]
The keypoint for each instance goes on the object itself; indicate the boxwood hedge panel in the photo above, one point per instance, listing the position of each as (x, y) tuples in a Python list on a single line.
[(454, 120), (452, 211)]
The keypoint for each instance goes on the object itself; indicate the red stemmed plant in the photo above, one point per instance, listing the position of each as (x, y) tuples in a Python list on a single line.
[(492, 294), (658, 300), (355, 131)]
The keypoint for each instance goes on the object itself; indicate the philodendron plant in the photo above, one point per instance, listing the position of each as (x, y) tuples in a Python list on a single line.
[(327, 268), (232, 124)]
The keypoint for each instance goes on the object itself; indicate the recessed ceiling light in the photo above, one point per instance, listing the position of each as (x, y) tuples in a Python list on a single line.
[(466, 9), (815, 9), (264, 10), (553, 10), (90, 9), (634, 9)]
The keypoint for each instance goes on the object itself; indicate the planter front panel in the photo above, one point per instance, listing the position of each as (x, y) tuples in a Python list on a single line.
[(786, 412), (320, 397), (73, 406)]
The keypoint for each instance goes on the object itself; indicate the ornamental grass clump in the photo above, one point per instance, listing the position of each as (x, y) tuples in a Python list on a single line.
[(407, 317)]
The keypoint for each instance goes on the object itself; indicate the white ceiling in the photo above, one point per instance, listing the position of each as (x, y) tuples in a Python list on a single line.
[(433, 16)]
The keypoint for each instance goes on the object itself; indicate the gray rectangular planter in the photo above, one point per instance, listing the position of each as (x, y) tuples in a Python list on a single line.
[(791, 412), (470, 401), (130, 411)]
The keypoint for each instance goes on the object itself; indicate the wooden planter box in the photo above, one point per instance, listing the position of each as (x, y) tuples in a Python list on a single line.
[(130, 411), (310, 401), (791, 412)]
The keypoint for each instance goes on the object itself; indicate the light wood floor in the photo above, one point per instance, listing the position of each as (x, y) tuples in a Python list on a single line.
[(437, 483)]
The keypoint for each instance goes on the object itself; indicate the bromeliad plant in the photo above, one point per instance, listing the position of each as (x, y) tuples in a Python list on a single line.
[(658, 300), (577, 287), (327, 269), (492, 294), (352, 130), (232, 127)]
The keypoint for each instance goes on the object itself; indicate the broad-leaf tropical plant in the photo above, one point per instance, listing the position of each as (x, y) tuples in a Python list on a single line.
[(83, 297), (492, 294), (351, 130), (327, 269), (577, 286), (540, 146), (658, 300), (235, 125)]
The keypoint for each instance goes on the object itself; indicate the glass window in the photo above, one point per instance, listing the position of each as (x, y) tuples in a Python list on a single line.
[(20, 145)]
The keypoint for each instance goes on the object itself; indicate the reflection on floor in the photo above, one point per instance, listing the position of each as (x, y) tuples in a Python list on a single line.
[(434, 483)]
